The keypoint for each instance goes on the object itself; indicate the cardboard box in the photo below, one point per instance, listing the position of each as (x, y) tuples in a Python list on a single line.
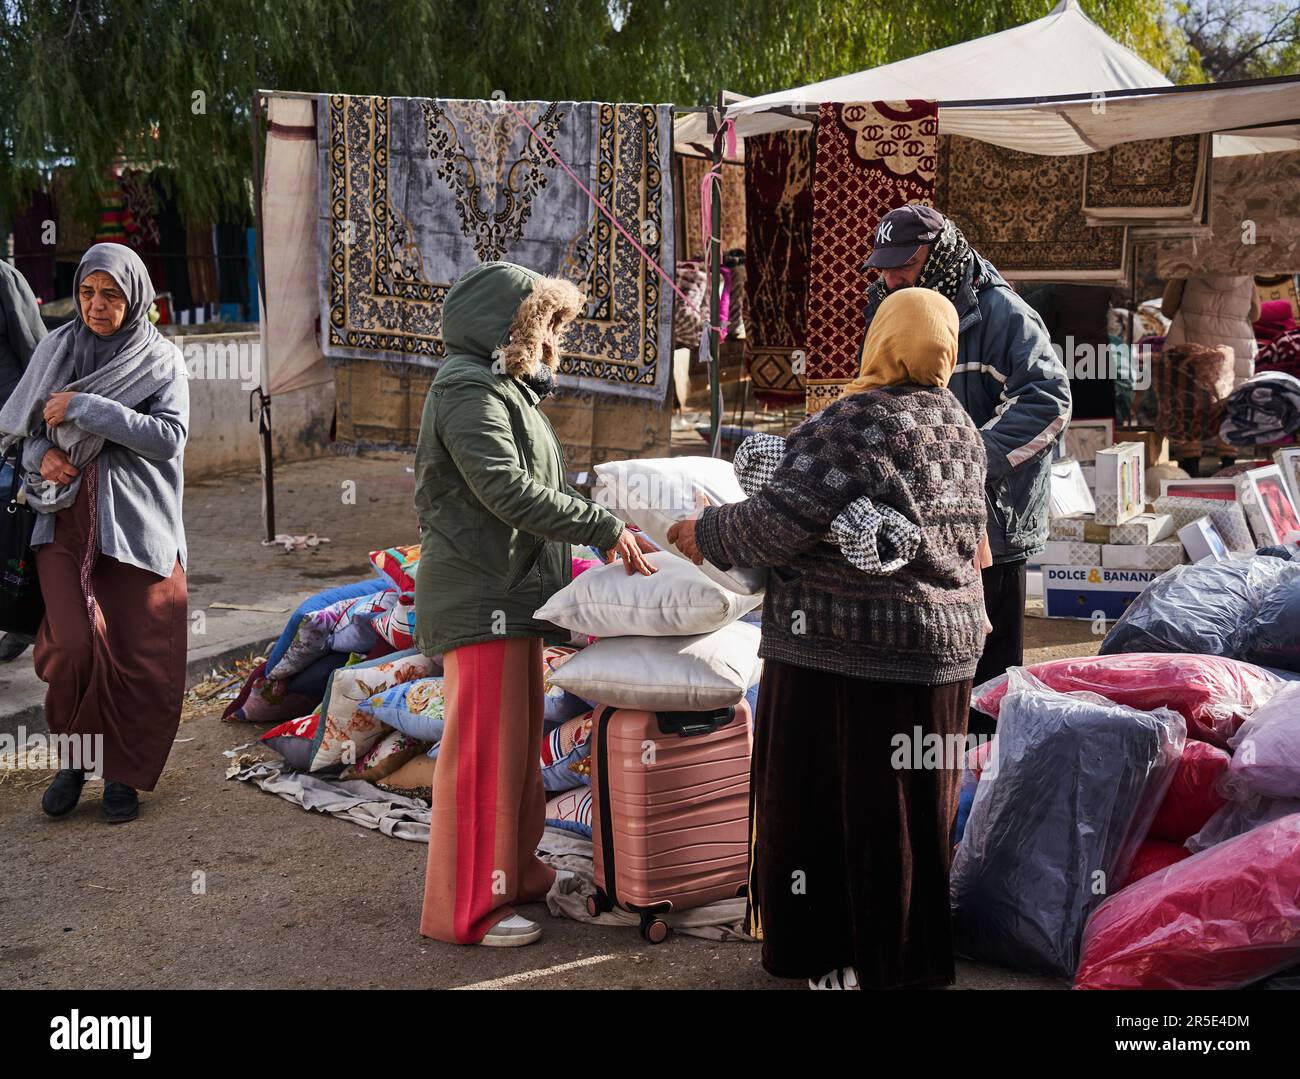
[(1143, 529), (1071, 553), (1121, 483), (1202, 542), (1155, 446), (1081, 526), (1089, 476), (1159, 556), (1089, 591)]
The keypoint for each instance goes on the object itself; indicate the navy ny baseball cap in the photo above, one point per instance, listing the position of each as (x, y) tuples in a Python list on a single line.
[(900, 233)]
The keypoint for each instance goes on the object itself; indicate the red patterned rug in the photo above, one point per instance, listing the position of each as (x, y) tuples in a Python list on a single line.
[(778, 226), (871, 158)]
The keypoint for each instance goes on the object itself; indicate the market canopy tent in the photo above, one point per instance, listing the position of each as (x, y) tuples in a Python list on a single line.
[(1057, 85)]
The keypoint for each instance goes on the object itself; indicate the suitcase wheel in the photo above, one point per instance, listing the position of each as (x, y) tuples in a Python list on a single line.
[(653, 928), (598, 903)]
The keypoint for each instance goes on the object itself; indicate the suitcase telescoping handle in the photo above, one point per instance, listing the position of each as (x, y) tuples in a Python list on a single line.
[(685, 724)]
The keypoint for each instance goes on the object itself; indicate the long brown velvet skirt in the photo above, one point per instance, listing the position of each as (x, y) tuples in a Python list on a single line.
[(850, 856), (112, 651)]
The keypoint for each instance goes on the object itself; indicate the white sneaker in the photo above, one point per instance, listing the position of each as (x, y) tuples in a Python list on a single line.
[(839, 978), (512, 932)]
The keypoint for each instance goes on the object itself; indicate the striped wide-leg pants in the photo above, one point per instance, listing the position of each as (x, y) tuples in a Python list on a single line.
[(489, 805)]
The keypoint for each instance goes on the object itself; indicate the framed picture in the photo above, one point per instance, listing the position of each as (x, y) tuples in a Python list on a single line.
[(1225, 490), (1268, 504), (1288, 460), (1083, 438)]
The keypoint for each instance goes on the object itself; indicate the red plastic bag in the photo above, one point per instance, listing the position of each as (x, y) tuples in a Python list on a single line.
[(1214, 694), (1154, 855), (1217, 920), (1193, 797)]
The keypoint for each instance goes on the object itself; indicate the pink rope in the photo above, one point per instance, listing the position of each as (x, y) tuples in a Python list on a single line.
[(605, 210), (714, 174)]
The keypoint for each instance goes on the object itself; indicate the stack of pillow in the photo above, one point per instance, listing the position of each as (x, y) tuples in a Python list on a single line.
[(672, 641)]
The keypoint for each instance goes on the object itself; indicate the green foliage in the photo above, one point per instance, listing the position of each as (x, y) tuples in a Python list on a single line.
[(171, 81)]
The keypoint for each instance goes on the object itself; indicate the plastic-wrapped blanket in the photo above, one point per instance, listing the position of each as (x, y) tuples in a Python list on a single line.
[(873, 537), (1218, 920), (1212, 693), (1246, 609), (1065, 798)]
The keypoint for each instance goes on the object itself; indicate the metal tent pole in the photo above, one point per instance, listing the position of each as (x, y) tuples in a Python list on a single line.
[(715, 285), (259, 394)]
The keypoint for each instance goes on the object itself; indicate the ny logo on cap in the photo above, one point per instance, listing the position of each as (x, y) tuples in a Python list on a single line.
[(884, 234)]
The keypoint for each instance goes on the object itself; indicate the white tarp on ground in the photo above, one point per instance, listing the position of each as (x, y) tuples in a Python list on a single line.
[(1063, 55)]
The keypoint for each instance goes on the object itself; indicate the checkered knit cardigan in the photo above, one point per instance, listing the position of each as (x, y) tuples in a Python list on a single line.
[(913, 448)]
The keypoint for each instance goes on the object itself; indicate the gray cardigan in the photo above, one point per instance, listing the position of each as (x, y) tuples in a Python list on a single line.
[(141, 475)]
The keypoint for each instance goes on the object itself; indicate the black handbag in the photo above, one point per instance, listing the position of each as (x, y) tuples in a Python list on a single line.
[(21, 604)]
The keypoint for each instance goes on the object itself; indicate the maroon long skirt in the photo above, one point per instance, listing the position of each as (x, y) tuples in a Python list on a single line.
[(850, 856), (111, 648)]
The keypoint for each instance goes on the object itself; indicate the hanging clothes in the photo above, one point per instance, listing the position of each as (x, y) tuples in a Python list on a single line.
[(202, 259), (143, 234), (172, 245), (114, 216), (33, 257)]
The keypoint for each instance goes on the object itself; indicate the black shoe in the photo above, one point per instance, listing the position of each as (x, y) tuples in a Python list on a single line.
[(121, 803), (11, 647), (63, 793)]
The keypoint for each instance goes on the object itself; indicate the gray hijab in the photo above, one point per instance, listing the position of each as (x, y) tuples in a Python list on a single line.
[(90, 351), (128, 366)]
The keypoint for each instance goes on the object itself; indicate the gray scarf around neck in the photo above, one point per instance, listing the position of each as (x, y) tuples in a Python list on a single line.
[(128, 366)]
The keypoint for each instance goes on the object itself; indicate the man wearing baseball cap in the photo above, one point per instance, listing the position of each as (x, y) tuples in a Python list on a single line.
[(1012, 384)]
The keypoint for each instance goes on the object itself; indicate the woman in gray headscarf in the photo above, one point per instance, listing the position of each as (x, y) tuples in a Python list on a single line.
[(103, 412)]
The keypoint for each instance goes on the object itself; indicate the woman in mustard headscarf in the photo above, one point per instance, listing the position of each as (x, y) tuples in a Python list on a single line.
[(849, 865)]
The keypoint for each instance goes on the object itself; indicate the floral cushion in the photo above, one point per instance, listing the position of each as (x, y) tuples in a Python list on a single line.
[(356, 631), (397, 624), (315, 634), (347, 733), (571, 811), (414, 708), (318, 602), (566, 755), (389, 754), (398, 564), (559, 704), (293, 740)]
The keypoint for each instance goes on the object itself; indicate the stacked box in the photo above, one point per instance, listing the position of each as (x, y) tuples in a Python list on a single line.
[(1089, 591), (1071, 553), (1121, 483), (1080, 526), (1143, 529), (1158, 556)]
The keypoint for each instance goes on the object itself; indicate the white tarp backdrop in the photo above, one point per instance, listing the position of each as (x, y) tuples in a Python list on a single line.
[(1063, 55)]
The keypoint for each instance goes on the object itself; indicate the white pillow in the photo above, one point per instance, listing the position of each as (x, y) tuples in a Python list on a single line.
[(666, 674), (606, 602), (656, 492)]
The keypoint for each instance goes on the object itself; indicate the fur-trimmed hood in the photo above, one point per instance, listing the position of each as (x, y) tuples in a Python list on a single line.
[(499, 305)]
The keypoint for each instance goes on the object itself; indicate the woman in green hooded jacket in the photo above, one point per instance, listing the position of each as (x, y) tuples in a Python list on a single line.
[(497, 519)]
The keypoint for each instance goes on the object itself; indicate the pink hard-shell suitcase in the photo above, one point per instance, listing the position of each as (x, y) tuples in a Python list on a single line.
[(670, 823)]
